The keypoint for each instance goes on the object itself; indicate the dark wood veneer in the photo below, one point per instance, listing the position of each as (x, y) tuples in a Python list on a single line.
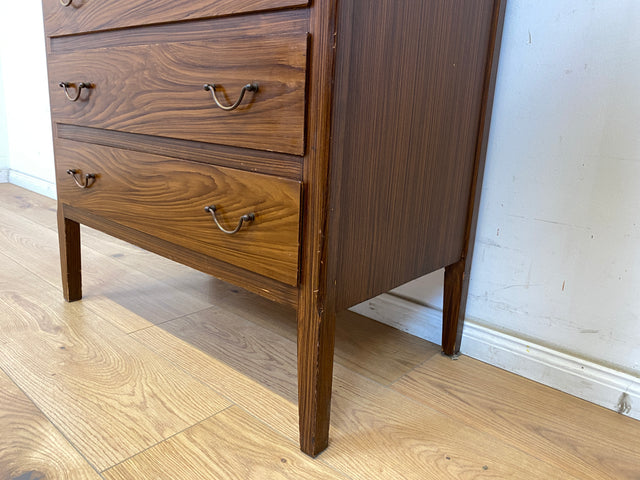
[(263, 286), (408, 97), (272, 163), (95, 15), (165, 197), (457, 278), (371, 122), (164, 95)]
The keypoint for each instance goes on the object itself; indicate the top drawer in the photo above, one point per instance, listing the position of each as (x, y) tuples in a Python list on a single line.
[(64, 17), (156, 88)]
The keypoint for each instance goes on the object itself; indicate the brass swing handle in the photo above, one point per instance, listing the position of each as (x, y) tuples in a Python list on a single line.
[(89, 178), (247, 217), (78, 87), (65, 3), (249, 87)]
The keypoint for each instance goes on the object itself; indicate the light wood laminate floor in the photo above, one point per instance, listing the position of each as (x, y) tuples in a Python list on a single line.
[(162, 372)]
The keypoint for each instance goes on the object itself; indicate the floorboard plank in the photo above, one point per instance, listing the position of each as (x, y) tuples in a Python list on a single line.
[(115, 387), (375, 350), (231, 445), (539, 420), (30, 446), (280, 412), (109, 395), (37, 208), (376, 432)]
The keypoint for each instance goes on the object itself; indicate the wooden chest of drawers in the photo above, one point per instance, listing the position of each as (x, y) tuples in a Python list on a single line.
[(315, 152)]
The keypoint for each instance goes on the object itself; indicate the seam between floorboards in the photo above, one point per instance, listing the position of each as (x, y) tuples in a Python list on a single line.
[(46, 417), (164, 322), (281, 435), (168, 438)]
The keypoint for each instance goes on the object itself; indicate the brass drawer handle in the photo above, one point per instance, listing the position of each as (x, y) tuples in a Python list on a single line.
[(249, 87), (247, 217), (79, 87), (89, 178), (65, 3)]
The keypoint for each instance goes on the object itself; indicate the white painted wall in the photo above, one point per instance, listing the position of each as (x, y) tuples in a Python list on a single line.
[(4, 140), (27, 133), (557, 256), (558, 248)]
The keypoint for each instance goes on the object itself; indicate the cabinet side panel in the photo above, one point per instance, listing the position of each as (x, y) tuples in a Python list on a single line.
[(408, 97)]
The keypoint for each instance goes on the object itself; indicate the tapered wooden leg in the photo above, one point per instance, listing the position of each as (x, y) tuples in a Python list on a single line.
[(70, 265), (456, 287), (316, 339)]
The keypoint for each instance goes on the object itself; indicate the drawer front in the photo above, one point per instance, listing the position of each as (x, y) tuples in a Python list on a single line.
[(95, 15), (166, 198), (157, 89)]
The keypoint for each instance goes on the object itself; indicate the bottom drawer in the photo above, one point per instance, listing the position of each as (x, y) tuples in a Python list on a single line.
[(166, 198)]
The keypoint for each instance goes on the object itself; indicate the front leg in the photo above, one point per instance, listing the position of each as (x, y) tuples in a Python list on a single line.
[(70, 264), (316, 339)]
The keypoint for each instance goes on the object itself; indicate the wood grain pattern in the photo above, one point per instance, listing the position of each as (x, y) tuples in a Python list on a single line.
[(30, 446), (316, 312), (166, 197), (242, 345), (291, 22), (383, 98), (243, 448), (258, 398), (408, 97), (379, 433), (118, 315), (29, 205), (94, 15), (372, 349), (89, 378), (147, 97), (376, 432), (569, 433), (264, 286)]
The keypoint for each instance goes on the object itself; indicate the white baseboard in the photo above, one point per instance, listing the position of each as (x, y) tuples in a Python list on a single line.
[(595, 383), (35, 184), (4, 175)]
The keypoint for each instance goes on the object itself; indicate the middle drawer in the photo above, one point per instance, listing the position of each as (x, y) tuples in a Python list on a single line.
[(166, 198), (157, 89)]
